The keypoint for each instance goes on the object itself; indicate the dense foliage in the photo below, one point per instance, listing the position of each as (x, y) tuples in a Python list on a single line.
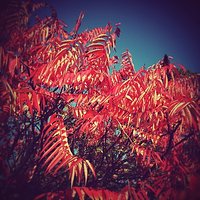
[(72, 126)]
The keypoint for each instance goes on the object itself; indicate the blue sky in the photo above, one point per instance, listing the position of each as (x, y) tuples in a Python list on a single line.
[(149, 29)]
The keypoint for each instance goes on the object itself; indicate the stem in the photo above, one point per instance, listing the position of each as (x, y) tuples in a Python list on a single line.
[(171, 135)]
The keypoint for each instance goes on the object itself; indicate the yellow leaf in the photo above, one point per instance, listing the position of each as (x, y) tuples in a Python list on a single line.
[(85, 172), (128, 97), (91, 167), (78, 77), (72, 176)]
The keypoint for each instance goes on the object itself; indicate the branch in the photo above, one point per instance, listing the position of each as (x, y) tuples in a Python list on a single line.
[(169, 146), (171, 135), (185, 138)]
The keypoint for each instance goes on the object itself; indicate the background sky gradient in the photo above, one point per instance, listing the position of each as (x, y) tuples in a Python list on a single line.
[(149, 29)]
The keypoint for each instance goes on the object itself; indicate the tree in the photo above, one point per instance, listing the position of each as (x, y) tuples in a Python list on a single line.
[(72, 126)]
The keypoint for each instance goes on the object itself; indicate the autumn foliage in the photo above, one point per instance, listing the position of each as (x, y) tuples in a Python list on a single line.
[(74, 127)]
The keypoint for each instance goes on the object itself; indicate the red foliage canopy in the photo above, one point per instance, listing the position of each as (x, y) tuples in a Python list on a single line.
[(62, 96)]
